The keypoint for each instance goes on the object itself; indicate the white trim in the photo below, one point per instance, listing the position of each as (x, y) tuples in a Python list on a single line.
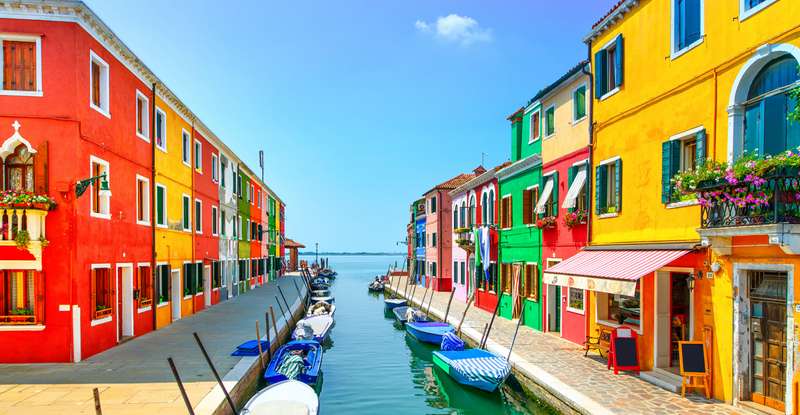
[(215, 169), (531, 138), (147, 196), (166, 220), (215, 222), (22, 327), (674, 52), (607, 215), (581, 163), (100, 321), (186, 147), (200, 222), (609, 94), (105, 82), (585, 87), (24, 38), (608, 160), (744, 13), (145, 116), (544, 132), (161, 112), (185, 197), (144, 309), (687, 133), (683, 203), (162, 304), (575, 310), (97, 160)]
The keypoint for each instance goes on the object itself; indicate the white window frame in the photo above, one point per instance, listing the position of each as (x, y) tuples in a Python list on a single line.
[(745, 13), (145, 198), (164, 213), (259, 198), (585, 87), (215, 223), (674, 51), (198, 208), (198, 156), (546, 136), (105, 90), (247, 231), (531, 138), (102, 215), (163, 114), (24, 38), (186, 228), (605, 48), (533, 203), (215, 168), (250, 194), (576, 310), (186, 149), (158, 278), (145, 116), (238, 227), (609, 161)]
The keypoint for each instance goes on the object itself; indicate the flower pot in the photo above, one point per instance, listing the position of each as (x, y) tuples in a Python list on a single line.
[(23, 205), (41, 206)]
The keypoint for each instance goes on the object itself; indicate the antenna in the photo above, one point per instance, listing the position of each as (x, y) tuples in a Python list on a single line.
[(483, 156)]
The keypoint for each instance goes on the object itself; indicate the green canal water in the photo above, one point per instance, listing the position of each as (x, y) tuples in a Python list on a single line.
[(372, 366)]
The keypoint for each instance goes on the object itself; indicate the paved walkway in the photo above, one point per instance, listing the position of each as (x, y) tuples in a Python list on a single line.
[(560, 367), (134, 378)]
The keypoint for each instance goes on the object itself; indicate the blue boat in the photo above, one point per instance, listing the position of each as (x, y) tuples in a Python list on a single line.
[(400, 314), (428, 332), (310, 375), (392, 303), (474, 367)]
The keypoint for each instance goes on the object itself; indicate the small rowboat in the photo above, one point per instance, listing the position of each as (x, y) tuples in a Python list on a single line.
[(400, 313), (313, 328), (327, 272), (328, 299), (428, 332), (321, 309), (474, 367), (309, 375), (375, 286), (392, 303), (289, 397)]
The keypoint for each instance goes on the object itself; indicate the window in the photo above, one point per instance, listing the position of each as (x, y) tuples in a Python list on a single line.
[(185, 149), (506, 272), (575, 300), (102, 294), (199, 277), (246, 230), (433, 205), (214, 168), (21, 298), (531, 282), (198, 216), (463, 273), (530, 197), (506, 211), (535, 126), (216, 280), (161, 130), (619, 309), (98, 84), (484, 207), (222, 224), (576, 198), (491, 215), (687, 24), (608, 185), (22, 72), (260, 232), (19, 170), (214, 221), (186, 219), (748, 8), (100, 200), (142, 117), (237, 232), (142, 200), (433, 269), (145, 285), (548, 203), (250, 193), (161, 205), (259, 198), (579, 103), (162, 274), (550, 121), (189, 280), (224, 170), (433, 239), (198, 155), (239, 187), (608, 64), (683, 152)]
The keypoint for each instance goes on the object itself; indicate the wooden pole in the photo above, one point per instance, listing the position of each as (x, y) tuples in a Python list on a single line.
[(491, 322), (280, 307), (408, 284), (422, 303), (447, 311), (216, 375), (269, 341), (98, 410), (277, 333), (289, 309), (433, 292), (180, 386), (514, 339), (260, 351), (411, 297), (464, 315), (483, 333)]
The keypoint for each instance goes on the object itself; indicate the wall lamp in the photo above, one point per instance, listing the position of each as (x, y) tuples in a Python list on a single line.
[(82, 185)]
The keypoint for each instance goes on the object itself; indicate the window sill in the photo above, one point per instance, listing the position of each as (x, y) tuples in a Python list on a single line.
[(162, 226), (745, 14), (100, 321), (188, 297), (100, 215), (100, 110), (608, 215), (549, 136), (11, 92), (615, 325), (215, 289), (678, 53), (609, 94), (575, 310), (533, 140), (198, 294), (22, 327), (186, 163), (144, 309), (163, 149), (575, 122), (164, 304), (145, 223), (143, 137), (682, 203)]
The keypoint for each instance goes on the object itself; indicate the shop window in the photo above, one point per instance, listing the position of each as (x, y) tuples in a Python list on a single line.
[(142, 116), (161, 130), (535, 126), (102, 294), (163, 283), (618, 309), (185, 147), (98, 79), (531, 282), (186, 219), (575, 300), (142, 200), (21, 69), (100, 200), (19, 170), (145, 285), (608, 183), (684, 152), (608, 68), (161, 205), (21, 298)]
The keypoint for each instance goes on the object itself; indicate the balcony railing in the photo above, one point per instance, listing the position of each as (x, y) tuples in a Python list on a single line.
[(777, 200), (24, 227)]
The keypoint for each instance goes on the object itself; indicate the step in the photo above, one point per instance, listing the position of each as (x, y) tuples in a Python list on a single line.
[(663, 379), (757, 409)]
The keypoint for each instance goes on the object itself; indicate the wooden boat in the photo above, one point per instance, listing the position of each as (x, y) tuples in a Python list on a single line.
[(313, 328), (375, 286), (400, 314), (328, 299), (289, 397), (428, 331), (474, 367), (392, 303), (327, 309), (313, 359)]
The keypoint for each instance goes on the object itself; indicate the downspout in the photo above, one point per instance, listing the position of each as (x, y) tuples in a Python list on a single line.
[(589, 168), (192, 166), (154, 300)]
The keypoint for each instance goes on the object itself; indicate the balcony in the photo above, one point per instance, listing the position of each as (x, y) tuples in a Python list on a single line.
[(464, 239), (22, 237)]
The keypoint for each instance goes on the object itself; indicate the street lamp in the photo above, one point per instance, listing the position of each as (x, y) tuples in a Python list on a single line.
[(82, 185)]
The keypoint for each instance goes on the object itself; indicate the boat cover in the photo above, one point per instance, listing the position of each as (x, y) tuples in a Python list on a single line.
[(477, 365), (250, 348), (291, 366), (451, 342)]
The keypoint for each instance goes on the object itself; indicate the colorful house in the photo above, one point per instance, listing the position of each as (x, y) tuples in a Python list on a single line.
[(244, 196), (228, 214), (420, 239), (520, 241)]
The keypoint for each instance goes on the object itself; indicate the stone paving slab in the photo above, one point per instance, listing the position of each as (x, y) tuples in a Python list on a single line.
[(134, 377), (584, 381)]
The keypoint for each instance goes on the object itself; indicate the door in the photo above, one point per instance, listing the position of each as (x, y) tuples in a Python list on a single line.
[(126, 315), (662, 307), (554, 308), (176, 294), (207, 285), (768, 338)]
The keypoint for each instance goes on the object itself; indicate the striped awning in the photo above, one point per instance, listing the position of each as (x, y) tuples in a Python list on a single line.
[(610, 271)]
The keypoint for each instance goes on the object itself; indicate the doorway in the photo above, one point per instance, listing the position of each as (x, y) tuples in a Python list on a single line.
[(767, 292), (176, 294), (554, 308), (673, 317), (207, 285), (125, 302)]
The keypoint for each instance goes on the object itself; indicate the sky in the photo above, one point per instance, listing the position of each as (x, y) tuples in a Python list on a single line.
[(360, 106)]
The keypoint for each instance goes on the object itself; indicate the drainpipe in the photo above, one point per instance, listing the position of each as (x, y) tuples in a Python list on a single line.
[(153, 271), (192, 165)]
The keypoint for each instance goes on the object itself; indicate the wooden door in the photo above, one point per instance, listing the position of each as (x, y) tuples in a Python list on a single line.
[(768, 339)]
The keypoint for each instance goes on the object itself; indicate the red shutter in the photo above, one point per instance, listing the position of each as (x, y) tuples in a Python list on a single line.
[(95, 84), (38, 284), (93, 283), (112, 288), (7, 65), (40, 169), (19, 66), (3, 288)]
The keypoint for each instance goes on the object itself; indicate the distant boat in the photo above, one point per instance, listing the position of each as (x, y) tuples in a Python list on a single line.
[(401, 312), (313, 328), (288, 397), (320, 284), (428, 332), (474, 367), (391, 303), (375, 286), (309, 375), (327, 272)]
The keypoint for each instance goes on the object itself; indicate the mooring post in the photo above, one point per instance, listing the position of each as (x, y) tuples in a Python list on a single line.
[(216, 374), (181, 388), (447, 311), (291, 315), (269, 340), (277, 333), (464, 315), (260, 351), (483, 333), (516, 330), (98, 410), (491, 323)]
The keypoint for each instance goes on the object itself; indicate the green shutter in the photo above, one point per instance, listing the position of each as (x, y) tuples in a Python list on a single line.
[(700, 149), (666, 170), (618, 183), (186, 213), (599, 73), (159, 205), (618, 62), (555, 193), (570, 177), (588, 184), (600, 186)]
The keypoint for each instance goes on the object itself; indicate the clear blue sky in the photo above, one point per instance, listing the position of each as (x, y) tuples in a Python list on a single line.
[(359, 105)]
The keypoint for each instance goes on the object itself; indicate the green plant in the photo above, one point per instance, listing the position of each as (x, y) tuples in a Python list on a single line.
[(100, 307), (795, 94), (44, 242), (22, 238), (22, 312)]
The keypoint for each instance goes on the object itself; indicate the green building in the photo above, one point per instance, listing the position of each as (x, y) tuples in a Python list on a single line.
[(272, 254), (243, 229), (520, 241)]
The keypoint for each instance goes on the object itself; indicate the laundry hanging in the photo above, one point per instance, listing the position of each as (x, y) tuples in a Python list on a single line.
[(486, 254)]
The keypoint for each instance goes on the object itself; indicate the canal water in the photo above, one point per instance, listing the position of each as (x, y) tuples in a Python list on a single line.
[(372, 366)]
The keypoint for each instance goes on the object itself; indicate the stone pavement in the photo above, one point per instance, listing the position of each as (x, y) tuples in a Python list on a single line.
[(134, 377), (559, 367)]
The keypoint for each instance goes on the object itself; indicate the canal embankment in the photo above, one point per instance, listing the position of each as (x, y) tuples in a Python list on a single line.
[(134, 377), (555, 370)]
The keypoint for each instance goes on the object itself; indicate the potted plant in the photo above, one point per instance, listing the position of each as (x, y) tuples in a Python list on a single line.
[(22, 238), (573, 219), (546, 222)]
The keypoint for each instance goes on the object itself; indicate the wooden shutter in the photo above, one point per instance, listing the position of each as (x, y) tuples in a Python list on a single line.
[(510, 212), (666, 170), (700, 149), (112, 288), (40, 169), (95, 84), (600, 189), (19, 66), (534, 282), (526, 206), (3, 289), (555, 193), (38, 284), (618, 62), (93, 288), (618, 183), (599, 73), (160, 206)]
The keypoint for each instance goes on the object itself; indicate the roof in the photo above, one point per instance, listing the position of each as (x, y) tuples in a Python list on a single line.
[(453, 183), (569, 74), (480, 179), (610, 18), (289, 243)]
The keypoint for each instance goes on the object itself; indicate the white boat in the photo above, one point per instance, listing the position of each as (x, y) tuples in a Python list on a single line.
[(313, 328), (320, 309), (290, 397), (327, 299)]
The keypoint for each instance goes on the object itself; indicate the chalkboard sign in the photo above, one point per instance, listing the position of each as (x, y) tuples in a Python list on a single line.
[(625, 352), (692, 357)]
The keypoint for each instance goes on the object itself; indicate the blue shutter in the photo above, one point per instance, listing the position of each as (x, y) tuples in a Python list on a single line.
[(680, 23), (599, 73), (700, 148), (754, 128), (618, 183), (691, 21), (618, 66), (600, 186), (666, 170)]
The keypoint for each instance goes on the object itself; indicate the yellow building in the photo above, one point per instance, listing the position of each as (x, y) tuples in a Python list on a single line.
[(677, 83)]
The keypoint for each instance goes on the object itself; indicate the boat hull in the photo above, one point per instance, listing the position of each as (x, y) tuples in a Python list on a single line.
[(392, 303), (428, 332), (321, 325), (287, 397), (474, 367), (312, 373), (400, 314)]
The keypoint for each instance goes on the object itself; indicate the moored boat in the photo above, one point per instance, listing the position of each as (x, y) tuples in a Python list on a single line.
[(375, 286), (298, 359), (328, 299), (428, 331), (320, 284), (473, 367), (313, 328), (401, 314), (391, 303), (289, 397), (321, 308), (321, 293)]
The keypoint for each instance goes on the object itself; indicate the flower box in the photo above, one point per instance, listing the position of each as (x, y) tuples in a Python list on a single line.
[(102, 312)]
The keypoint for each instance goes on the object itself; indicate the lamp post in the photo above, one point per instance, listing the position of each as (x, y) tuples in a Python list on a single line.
[(82, 185), (316, 252)]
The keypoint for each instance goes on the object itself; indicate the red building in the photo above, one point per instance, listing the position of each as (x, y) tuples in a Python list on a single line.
[(257, 264), (205, 187)]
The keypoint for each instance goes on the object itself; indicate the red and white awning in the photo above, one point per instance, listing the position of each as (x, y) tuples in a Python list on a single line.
[(610, 271)]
